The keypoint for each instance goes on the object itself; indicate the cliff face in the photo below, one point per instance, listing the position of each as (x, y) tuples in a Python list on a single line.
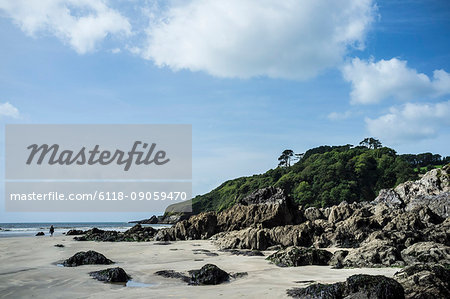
[(432, 190)]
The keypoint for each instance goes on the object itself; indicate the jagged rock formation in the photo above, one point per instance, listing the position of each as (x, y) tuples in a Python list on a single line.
[(265, 208), (300, 256), (356, 286), (380, 230), (137, 233), (425, 281)]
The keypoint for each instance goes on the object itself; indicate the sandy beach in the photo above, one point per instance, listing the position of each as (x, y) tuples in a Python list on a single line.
[(29, 269)]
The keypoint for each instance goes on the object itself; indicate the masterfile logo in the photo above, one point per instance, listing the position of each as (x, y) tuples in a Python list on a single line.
[(102, 168), (98, 152)]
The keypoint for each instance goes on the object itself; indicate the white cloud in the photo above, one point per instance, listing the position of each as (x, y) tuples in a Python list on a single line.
[(339, 115), (6, 109), (81, 23), (411, 122), (116, 50), (373, 82), (244, 38)]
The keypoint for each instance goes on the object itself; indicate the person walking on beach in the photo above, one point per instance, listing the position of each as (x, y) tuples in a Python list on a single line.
[(52, 230)]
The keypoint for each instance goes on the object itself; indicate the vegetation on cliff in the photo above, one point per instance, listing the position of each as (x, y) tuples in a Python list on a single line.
[(323, 176)]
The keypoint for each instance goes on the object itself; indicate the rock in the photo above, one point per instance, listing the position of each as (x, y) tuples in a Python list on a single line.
[(300, 256), (74, 232), (376, 253), (201, 226), (204, 251), (356, 286), (432, 191), (137, 233), (87, 258), (439, 204), (266, 208), (426, 252), (340, 212), (40, 234), (244, 252), (313, 213), (209, 274), (239, 275), (425, 281), (389, 198), (269, 195), (59, 245), (173, 274), (111, 275), (274, 248), (151, 220), (337, 259)]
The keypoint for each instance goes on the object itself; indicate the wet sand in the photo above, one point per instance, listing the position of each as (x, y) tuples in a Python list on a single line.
[(28, 268)]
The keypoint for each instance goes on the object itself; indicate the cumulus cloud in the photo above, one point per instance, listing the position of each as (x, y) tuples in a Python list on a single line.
[(245, 38), (80, 23), (6, 109), (373, 82), (411, 122)]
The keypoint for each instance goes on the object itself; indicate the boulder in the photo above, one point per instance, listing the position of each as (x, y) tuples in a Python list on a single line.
[(376, 253), (425, 281), (209, 274), (356, 286), (427, 252), (87, 258), (40, 234), (111, 275), (300, 256)]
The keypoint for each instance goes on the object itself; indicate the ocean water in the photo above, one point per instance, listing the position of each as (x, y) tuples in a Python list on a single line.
[(30, 229)]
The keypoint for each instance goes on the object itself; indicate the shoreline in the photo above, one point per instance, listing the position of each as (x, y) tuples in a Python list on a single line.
[(27, 272)]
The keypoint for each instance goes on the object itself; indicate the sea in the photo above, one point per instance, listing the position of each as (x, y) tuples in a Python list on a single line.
[(30, 229)]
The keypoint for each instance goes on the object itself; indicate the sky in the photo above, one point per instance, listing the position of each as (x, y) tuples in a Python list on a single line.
[(252, 77)]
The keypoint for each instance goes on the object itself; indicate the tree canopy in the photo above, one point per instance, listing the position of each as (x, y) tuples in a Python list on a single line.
[(324, 176)]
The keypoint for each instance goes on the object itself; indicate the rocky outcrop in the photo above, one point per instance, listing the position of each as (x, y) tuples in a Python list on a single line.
[(137, 233), (300, 256), (376, 253), (356, 286), (87, 258), (111, 275), (427, 252), (425, 281), (432, 190), (201, 226), (267, 208)]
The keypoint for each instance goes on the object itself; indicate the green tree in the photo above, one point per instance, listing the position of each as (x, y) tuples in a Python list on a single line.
[(285, 158), (371, 143)]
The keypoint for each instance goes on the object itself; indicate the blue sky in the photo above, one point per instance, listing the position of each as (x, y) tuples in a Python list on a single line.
[(253, 78)]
